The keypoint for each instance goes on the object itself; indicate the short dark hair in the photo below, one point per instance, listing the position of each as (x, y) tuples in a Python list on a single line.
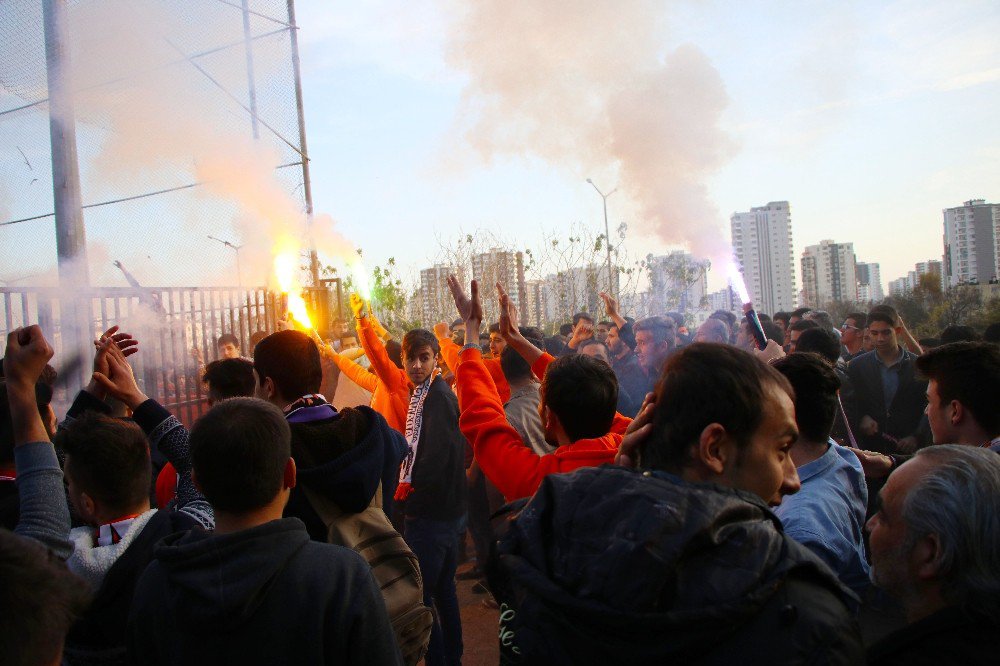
[(803, 325), (773, 332), (677, 317), (992, 332), (394, 350), (782, 316), (662, 328), (43, 397), (418, 338), (555, 346), (41, 600), (928, 343), (494, 328), (958, 333), (457, 322), (239, 450), (513, 365), (583, 393), (532, 333), (882, 316), (800, 312), (256, 337), (566, 329), (582, 315), (860, 319), (705, 383), (970, 373), (886, 309), (291, 359), (821, 341), (229, 378), (815, 385), (724, 316), (605, 322), (108, 459), (227, 338)]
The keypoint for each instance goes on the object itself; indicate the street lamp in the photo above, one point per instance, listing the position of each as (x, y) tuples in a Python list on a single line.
[(607, 234), (236, 248)]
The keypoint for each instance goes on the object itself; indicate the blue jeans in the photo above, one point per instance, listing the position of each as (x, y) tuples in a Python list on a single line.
[(434, 544)]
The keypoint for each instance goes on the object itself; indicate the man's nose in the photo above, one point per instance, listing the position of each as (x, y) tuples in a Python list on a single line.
[(790, 483)]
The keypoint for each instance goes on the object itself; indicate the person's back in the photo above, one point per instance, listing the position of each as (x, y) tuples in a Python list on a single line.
[(682, 563), (258, 590)]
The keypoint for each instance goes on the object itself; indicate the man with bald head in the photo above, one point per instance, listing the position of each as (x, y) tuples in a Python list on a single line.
[(713, 330)]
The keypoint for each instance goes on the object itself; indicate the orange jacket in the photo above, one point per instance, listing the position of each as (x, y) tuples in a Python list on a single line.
[(451, 353), (514, 469), (618, 426), (391, 397)]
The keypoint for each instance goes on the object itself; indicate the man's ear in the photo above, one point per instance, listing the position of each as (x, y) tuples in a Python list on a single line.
[(88, 507), (926, 557), (957, 412), (270, 390), (290, 473), (712, 450)]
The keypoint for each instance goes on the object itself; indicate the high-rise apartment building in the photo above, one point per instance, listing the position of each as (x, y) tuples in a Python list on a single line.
[(971, 243), (534, 303), (829, 273), (677, 281), (504, 267), (762, 245), (435, 300), (869, 282)]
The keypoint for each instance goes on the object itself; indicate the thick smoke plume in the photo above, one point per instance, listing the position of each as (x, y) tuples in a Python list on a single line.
[(162, 121), (591, 86)]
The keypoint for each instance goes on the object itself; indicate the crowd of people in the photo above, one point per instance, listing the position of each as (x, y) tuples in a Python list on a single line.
[(634, 491)]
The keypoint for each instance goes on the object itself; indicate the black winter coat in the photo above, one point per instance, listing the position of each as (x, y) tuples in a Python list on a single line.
[(612, 566), (966, 636)]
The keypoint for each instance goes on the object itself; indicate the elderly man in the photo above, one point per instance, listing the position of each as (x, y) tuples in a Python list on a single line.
[(933, 547)]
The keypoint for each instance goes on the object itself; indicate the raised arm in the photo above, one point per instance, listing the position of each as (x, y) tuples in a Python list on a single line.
[(346, 365), (164, 431), (382, 366), (510, 332), (44, 514)]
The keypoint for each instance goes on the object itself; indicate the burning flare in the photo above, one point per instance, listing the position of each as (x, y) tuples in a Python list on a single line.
[(360, 279), (286, 271)]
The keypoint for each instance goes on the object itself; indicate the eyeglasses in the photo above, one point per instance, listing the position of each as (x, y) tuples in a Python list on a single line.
[(846, 326)]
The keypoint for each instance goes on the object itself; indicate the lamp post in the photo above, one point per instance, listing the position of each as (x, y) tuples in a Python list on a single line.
[(607, 234), (236, 248)]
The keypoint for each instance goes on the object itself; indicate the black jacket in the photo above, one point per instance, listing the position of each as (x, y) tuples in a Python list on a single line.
[(440, 491), (343, 456), (608, 565), (98, 636), (265, 595), (953, 635), (863, 395)]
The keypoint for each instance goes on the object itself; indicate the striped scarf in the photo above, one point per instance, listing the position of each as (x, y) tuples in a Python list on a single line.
[(414, 423)]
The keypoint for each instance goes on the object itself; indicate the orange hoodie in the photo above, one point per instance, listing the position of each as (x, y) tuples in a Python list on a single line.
[(618, 426), (514, 469), (451, 353), (391, 397)]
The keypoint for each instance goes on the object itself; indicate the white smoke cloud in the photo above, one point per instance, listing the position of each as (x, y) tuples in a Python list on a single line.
[(589, 87)]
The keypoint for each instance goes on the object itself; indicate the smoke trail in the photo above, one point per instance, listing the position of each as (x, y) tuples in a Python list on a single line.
[(586, 86)]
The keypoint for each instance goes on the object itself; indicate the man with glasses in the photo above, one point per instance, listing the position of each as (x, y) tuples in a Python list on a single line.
[(852, 334)]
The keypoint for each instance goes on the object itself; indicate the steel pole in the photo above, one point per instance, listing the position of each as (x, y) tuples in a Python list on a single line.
[(306, 183), (251, 82)]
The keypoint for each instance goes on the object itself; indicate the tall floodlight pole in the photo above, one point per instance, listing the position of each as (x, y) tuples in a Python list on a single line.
[(303, 151), (607, 234), (235, 248), (71, 240)]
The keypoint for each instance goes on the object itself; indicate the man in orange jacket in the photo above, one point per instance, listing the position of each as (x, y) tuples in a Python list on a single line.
[(577, 409)]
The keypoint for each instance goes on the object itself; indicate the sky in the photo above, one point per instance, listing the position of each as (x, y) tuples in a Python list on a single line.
[(868, 117), (430, 120)]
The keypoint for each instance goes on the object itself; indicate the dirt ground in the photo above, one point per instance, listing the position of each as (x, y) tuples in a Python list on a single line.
[(479, 625)]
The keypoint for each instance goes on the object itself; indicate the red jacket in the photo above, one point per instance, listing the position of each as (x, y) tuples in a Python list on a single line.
[(391, 397), (514, 469), (451, 353)]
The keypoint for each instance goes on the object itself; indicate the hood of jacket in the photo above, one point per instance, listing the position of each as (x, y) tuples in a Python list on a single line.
[(344, 455), (623, 555), (218, 581)]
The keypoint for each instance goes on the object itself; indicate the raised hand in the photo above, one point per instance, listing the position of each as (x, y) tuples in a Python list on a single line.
[(611, 307), (358, 306), (119, 381), (441, 329), (508, 316), (27, 353)]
